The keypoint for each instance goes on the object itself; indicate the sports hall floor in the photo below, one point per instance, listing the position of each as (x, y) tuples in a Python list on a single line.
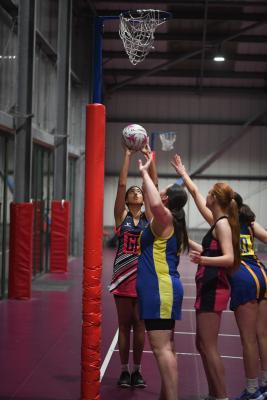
[(40, 343)]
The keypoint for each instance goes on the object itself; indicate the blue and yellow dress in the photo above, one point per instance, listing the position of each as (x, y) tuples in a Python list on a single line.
[(249, 282), (159, 289)]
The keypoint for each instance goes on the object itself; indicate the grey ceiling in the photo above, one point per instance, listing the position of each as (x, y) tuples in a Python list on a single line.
[(182, 58)]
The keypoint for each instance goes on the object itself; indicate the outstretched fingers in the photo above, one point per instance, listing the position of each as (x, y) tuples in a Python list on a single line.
[(177, 164)]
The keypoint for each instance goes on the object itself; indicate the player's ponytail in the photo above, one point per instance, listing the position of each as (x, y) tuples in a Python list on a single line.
[(226, 199), (177, 198), (235, 228), (246, 215)]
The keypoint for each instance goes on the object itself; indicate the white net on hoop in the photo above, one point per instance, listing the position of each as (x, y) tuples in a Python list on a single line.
[(167, 140), (137, 32)]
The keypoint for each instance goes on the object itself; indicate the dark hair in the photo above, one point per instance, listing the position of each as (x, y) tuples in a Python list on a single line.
[(246, 215), (226, 199), (131, 188), (177, 198)]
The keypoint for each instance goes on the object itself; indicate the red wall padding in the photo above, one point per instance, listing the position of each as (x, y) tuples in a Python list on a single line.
[(20, 250), (60, 229)]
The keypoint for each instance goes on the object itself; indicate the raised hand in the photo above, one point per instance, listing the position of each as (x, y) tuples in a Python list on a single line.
[(177, 164), (126, 150), (144, 167), (146, 150)]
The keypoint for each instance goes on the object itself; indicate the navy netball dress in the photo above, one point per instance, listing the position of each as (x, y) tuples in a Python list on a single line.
[(213, 288), (160, 292), (250, 281), (123, 281)]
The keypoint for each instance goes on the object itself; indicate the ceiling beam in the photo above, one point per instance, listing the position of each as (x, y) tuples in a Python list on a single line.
[(185, 73), (183, 121), (197, 14), (212, 90), (217, 3), (203, 52), (170, 55)]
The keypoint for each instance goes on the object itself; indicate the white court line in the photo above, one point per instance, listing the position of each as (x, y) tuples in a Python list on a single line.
[(109, 354), (191, 354), (193, 333), (115, 340), (192, 309)]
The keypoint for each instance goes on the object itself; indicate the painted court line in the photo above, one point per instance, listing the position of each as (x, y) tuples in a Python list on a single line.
[(192, 309), (193, 333), (190, 354), (109, 354), (115, 341)]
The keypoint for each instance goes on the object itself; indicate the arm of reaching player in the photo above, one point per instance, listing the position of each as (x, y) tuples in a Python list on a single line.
[(162, 217), (120, 206), (259, 232), (199, 200), (152, 170), (224, 236)]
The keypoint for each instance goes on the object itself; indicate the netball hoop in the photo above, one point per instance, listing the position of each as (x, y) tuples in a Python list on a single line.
[(137, 31), (167, 140)]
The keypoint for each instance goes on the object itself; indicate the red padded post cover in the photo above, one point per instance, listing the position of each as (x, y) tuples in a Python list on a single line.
[(60, 228), (20, 251), (93, 242)]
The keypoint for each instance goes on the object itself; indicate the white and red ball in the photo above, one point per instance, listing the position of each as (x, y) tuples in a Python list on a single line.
[(134, 137)]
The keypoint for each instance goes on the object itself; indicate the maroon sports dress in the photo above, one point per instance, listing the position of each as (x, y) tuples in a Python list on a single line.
[(213, 288)]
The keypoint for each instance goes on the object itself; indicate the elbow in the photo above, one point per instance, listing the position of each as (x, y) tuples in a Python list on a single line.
[(229, 261)]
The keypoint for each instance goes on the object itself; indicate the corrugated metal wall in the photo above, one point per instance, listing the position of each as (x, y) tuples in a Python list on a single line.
[(202, 125)]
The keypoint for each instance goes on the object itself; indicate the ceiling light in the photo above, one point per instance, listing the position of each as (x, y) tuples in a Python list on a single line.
[(219, 58), (219, 55)]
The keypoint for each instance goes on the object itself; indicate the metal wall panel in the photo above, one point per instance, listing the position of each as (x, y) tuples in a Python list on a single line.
[(8, 65), (178, 105), (202, 123), (44, 93), (254, 193)]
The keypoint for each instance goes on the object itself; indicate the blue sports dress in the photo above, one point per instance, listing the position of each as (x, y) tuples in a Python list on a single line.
[(249, 282), (160, 291)]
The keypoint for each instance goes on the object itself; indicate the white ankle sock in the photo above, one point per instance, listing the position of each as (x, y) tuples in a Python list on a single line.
[(124, 367), (252, 385), (136, 367)]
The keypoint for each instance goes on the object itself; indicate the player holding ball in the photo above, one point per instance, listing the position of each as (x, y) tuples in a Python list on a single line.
[(130, 220)]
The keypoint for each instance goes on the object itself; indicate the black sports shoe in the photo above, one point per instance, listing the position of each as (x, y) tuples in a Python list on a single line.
[(137, 380), (124, 380)]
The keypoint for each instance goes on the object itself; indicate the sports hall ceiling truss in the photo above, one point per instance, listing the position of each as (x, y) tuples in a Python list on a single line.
[(185, 46)]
